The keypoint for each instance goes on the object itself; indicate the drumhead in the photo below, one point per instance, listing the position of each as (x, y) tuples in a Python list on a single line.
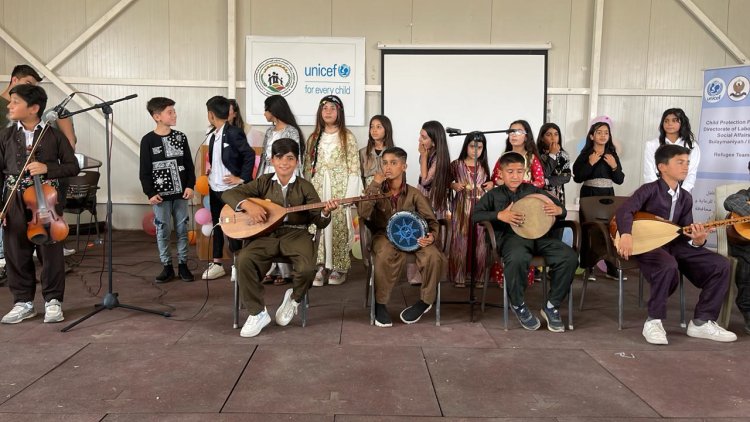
[(404, 228), (536, 223)]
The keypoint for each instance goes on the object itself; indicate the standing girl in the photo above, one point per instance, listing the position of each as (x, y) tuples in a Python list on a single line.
[(598, 168), (381, 138), (673, 129), (470, 179), (521, 140), (434, 176), (555, 161), (333, 168)]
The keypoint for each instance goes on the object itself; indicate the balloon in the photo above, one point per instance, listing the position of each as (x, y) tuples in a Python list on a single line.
[(207, 202), (201, 185), (191, 237), (203, 216), (148, 223), (206, 229), (602, 266)]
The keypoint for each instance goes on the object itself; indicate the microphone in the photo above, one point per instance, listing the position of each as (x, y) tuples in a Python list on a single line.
[(54, 114), (452, 131)]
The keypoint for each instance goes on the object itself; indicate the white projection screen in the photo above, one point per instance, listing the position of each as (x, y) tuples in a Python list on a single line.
[(466, 89)]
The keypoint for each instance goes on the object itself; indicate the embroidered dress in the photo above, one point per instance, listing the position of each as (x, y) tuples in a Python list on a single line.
[(336, 175), (557, 171), (461, 210)]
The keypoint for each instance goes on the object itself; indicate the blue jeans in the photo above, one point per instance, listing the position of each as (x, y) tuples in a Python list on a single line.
[(175, 210)]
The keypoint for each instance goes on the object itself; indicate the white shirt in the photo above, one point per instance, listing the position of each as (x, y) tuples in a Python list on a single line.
[(218, 171), (649, 164), (30, 133)]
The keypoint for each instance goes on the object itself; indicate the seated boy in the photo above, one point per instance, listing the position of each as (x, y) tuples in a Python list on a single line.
[(291, 239), (739, 248), (496, 206), (53, 159), (388, 260), (707, 270)]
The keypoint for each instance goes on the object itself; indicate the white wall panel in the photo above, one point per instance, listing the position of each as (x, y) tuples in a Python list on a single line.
[(625, 44), (451, 22)]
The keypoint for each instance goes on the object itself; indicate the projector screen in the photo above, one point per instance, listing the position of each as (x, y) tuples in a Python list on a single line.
[(466, 89)]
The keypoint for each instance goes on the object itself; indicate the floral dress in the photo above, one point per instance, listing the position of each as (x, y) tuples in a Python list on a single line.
[(335, 175), (461, 211)]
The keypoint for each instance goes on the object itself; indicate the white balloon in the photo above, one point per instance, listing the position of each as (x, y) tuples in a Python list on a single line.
[(206, 229)]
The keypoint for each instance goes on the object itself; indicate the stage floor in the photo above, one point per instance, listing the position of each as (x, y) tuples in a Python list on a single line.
[(123, 365)]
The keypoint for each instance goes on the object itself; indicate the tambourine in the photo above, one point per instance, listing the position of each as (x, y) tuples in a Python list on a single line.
[(404, 228), (536, 222)]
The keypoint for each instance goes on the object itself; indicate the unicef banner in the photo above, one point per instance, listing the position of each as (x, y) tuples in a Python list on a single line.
[(724, 136), (304, 70)]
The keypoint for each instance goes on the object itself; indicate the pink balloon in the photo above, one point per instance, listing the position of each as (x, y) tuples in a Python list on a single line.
[(602, 266), (148, 223), (203, 216)]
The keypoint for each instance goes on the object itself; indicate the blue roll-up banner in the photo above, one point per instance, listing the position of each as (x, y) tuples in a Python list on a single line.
[(724, 136)]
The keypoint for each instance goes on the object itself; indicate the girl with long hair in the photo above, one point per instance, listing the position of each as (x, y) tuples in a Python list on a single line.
[(555, 161), (521, 140), (332, 165), (283, 125), (380, 139), (674, 129)]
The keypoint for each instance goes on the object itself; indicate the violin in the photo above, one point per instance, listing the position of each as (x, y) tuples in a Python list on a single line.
[(46, 226)]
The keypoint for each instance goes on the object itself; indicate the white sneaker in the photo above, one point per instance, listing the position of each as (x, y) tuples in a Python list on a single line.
[(654, 332), (53, 311), (2, 262), (68, 252), (255, 323), (233, 278), (710, 331), (287, 310), (20, 312), (336, 278), (319, 279), (214, 271)]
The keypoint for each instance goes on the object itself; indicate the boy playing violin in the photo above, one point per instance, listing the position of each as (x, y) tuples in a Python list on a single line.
[(291, 239), (54, 158), (707, 270)]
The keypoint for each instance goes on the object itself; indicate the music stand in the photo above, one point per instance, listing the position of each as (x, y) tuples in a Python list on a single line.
[(110, 300), (472, 232)]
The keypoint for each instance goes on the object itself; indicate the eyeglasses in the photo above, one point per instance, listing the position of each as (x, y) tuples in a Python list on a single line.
[(517, 132)]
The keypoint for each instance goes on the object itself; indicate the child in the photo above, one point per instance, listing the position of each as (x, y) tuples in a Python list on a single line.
[(291, 239), (380, 139), (235, 116), (167, 177), (674, 129), (496, 207), (521, 140), (388, 260), (54, 158), (434, 176), (707, 270), (598, 168), (739, 248), (333, 169), (284, 125), (231, 163), (555, 160), (470, 174)]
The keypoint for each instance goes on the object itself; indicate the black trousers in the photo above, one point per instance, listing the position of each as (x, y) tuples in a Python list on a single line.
[(218, 245), (19, 260), (742, 276)]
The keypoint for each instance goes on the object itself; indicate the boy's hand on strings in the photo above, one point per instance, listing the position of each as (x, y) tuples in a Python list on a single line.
[(426, 240), (625, 246), (188, 194), (154, 200), (698, 234), (511, 217), (331, 205), (255, 213)]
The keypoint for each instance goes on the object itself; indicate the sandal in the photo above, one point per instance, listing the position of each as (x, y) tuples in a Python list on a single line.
[(280, 281), (267, 279)]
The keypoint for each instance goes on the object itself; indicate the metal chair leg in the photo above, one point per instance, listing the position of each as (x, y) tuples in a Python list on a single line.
[(640, 290), (371, 282), (583, 289), (236, 307), (620, 301), (437, 306), (506, 304), (683, 324), (570, 308), (305, 303)]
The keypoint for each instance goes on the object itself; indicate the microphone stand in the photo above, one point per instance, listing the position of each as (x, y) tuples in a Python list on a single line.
[(110, 300), (471, 258)]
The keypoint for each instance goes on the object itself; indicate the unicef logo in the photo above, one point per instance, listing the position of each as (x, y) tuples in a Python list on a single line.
[(344, 70), (715, 89), (275, 76)]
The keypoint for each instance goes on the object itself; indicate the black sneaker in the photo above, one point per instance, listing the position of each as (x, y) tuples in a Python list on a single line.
[(552, 317), (184, 272), (747, 322), (412, 314), (166, 275), (526, 318), (382, 319)]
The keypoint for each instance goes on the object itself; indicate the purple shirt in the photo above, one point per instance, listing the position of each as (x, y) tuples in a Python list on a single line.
[(654, 198)]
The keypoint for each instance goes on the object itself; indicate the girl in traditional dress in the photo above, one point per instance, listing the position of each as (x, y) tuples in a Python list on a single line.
[(333, 168), (381, 138), (470, 179), (555, 161)]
